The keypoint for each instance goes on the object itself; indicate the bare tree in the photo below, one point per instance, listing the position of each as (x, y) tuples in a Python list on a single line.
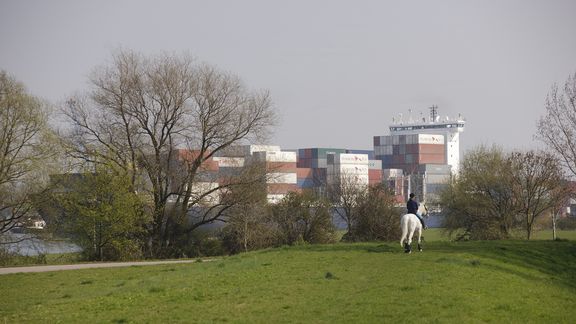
[(345, 192), (141, 109), (24, 147), (538, 185), (557, 129)]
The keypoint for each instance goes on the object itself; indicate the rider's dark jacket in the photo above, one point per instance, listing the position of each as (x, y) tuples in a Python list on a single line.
[(412, 206)]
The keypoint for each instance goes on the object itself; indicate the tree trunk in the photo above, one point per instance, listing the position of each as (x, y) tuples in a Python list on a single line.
[(554, 226)]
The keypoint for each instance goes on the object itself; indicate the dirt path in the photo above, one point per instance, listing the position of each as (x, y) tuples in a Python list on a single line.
[(88, 266)]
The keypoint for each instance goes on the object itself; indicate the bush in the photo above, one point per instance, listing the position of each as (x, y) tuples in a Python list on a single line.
[(567, 223), (303, 217), (376, 217)]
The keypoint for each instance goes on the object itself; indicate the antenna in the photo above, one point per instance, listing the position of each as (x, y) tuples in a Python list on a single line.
[(433, 113)]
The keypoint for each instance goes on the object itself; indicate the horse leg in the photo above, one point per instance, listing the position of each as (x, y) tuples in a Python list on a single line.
[(409, 242), (419, 239)]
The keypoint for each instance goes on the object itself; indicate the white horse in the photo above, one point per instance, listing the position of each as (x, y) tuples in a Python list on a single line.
[(409, 224)]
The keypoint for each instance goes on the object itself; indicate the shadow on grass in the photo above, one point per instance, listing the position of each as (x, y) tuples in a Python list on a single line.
[(555, 259)]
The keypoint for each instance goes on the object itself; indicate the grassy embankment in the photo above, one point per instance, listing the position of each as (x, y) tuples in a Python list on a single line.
[(499, 281)]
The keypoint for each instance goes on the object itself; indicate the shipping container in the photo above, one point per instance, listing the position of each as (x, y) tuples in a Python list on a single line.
[(303, 173), (411, 148), (348, 158), (281, 167), (435, 168), (431, 159), (392, 173), (319, 164), (375, 164), (304, 163), (398, 159), (306, 183), (437, 178), (320, 153), (375, 175), (278, 156), (430, 139), (409, 158), (277, 177), (230, 162), (200, 188), (370, 153), (281, 188), (431, 149), (347, 169)]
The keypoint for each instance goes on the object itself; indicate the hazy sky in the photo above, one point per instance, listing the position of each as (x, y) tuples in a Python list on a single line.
[(338, 71)]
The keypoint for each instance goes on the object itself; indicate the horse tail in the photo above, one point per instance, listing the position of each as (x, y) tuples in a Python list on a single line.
[(404, 227)]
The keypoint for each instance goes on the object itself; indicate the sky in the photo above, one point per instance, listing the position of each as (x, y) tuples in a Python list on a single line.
[(338, 71)]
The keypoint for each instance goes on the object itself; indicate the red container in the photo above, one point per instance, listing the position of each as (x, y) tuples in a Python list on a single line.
[(303, 173), (281, 167), (281, 188), (431, 159), (411, 148), (431, 148), (375, 174)]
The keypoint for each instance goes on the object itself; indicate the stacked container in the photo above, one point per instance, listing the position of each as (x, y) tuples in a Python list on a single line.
[(374, 172), (347, 168), (407, 152), (369, 152), (206, 176), (281, 176), (244, 151), (395, 180), (230, 166), (316, 157), (435, 178)]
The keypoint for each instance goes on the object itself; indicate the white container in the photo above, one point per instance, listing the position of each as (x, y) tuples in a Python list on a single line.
[(351, 169), (430, 139), (201, 188), (262, 148), (375, 164), (275, 198), (347, 158), (392, 173), (277, 177), (230, 162), (276, 156)]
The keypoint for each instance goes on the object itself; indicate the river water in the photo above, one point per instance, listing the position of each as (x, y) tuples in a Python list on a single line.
[(31, 246)]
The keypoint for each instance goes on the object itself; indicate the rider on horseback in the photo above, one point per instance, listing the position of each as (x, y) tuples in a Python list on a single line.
[(412, 206)]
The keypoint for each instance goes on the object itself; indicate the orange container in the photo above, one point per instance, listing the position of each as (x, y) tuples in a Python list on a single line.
[(431, 149), (281, 188)]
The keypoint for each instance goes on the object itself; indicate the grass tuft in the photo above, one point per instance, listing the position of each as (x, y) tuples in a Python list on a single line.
[(330, 276), (475, 262)]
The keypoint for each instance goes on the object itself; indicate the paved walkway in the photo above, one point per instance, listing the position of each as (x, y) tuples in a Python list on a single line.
[(88, 266)]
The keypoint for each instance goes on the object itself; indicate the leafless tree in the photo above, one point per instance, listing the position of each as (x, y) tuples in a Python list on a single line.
[(538, 185), (142, 109), (345, 192), (24, 147), (557, 129)]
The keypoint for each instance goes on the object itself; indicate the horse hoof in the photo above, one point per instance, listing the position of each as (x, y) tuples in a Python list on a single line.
[(420, 250)]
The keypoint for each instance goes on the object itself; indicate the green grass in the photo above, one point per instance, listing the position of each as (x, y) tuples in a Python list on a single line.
[(499, 281)]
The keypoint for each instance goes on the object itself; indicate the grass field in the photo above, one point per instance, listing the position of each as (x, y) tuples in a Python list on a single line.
[(471, 282)]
